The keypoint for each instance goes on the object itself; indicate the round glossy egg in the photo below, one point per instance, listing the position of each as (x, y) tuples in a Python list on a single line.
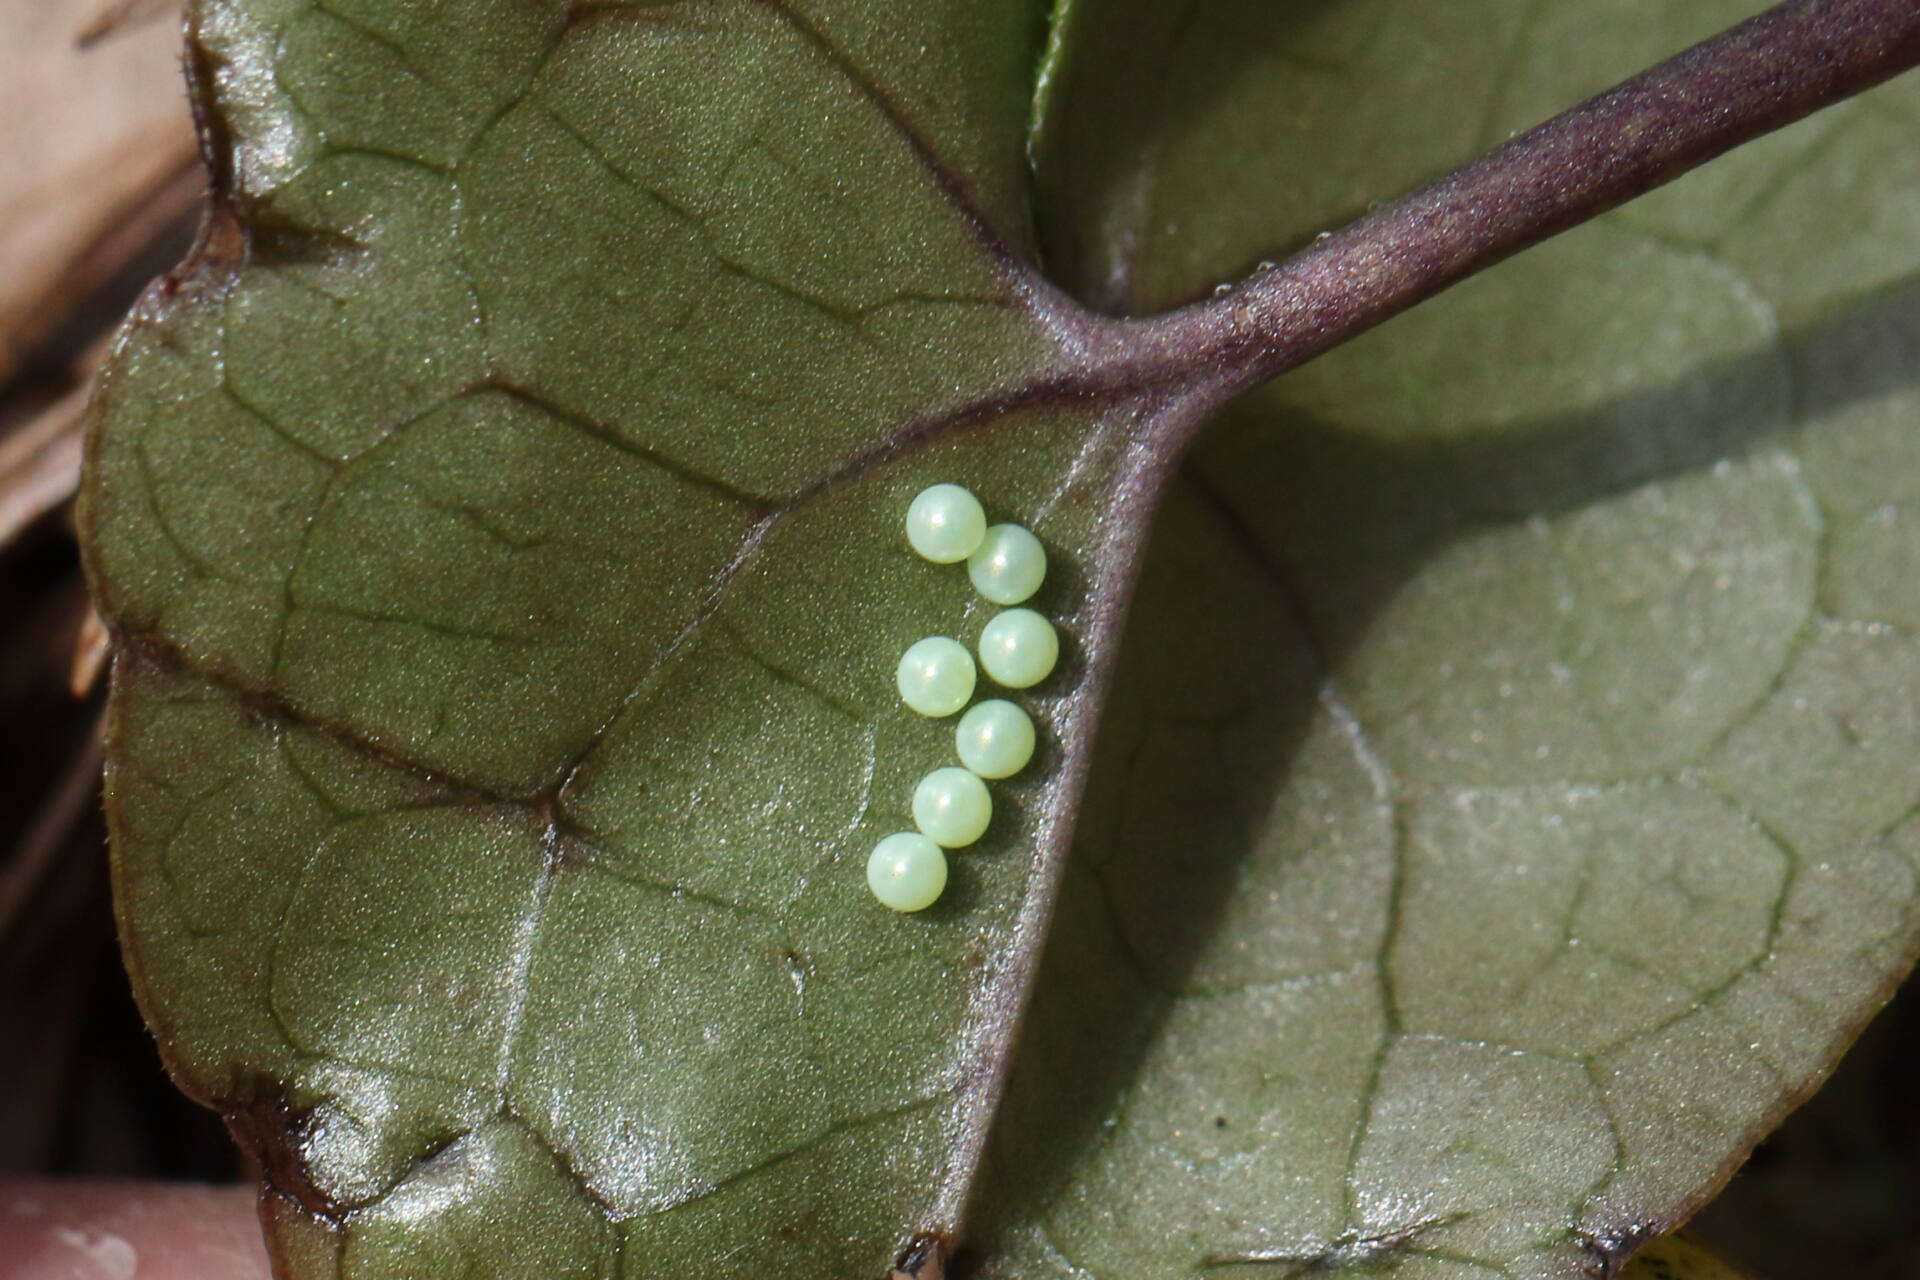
[(951, 807), (1019, 648), (1009, 565), (995, 738), (907, 871), (936, 676), (945, 523)]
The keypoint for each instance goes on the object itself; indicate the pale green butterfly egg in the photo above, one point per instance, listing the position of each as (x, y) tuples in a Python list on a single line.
[(951, 807), (945, 523), (995, 739), (1018, 648), (936, 676), (907, 871), (1009, 566)]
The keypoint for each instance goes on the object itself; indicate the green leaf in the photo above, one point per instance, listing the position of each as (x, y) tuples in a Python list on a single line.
[(1506, 805), (1503, 811), (501, 521)]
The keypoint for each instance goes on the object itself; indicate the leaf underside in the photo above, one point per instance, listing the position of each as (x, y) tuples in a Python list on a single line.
[(1504, 802)]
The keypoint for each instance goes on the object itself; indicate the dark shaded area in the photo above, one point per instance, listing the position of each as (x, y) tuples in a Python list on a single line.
[(81, 1090), (1835, 1192), (1096, 170)]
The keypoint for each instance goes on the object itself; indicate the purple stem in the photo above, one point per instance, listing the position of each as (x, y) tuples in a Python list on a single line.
[(1765, 73)]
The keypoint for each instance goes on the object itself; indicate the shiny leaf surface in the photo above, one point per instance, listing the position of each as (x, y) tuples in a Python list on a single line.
[(502, 523)]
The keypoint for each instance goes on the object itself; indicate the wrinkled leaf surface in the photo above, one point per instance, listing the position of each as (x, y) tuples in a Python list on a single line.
[(1506, 802), (501, 521)]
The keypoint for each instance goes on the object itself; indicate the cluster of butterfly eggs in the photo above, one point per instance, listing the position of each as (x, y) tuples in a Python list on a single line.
[(951, 807)]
